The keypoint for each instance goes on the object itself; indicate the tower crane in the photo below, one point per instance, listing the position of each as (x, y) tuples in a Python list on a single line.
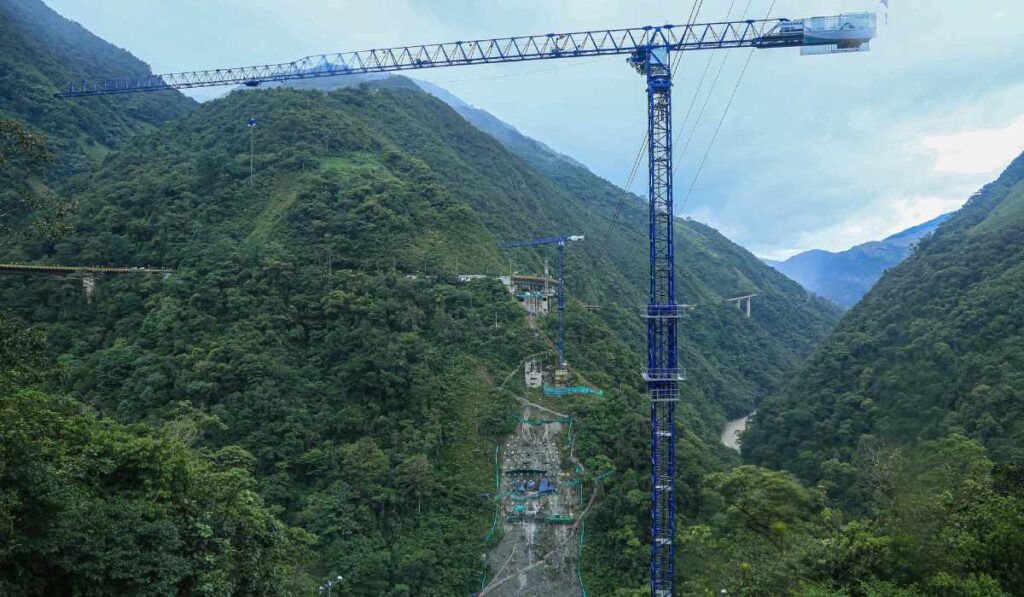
[(649, 50), (560, 241)]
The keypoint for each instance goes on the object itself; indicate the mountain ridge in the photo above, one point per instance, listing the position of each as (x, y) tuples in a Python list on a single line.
[(845, 276), (39, 52), (939, 335)]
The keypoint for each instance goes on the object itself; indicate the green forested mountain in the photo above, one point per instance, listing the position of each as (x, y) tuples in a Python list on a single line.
[(312, 392), (41, 51), (935, 347), (846, 276), (291, 354), (613, 274), (367, 398)]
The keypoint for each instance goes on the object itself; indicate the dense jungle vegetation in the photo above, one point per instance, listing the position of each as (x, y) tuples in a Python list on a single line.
[(936, 347), (292, 319), (312, 392)]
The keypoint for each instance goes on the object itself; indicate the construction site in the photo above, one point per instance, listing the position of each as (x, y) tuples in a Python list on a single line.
[(540, 498), (539, 511)]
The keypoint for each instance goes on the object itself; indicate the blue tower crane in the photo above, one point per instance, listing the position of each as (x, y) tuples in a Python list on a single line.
[(560, 241), (649, 50)]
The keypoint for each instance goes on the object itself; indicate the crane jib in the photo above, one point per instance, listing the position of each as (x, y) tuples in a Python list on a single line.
[(850, 31)]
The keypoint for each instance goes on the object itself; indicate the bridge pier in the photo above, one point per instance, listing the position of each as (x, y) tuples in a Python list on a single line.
[(89, 287)]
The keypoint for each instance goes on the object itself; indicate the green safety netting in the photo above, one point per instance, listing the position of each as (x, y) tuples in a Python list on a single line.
[(497, 488), (497, 509), (555, 519), (550, 391)]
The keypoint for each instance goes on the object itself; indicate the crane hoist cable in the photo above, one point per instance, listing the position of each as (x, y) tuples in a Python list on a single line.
[(694, 13), (707, 98), (700, 85), (718, 128), (636, 163), (728, 105), (710, 146)]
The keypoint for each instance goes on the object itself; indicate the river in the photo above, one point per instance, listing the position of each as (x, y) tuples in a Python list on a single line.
[(732, 431)]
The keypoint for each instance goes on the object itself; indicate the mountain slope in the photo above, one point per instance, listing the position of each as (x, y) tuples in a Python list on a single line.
[(714, 269), (935, 347), (525, 147), (286, 321), (846, 276), (504, 133), (41, 51), (314, 325)]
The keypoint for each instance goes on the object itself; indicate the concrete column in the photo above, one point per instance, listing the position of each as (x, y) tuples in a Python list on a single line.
[(89, 287)]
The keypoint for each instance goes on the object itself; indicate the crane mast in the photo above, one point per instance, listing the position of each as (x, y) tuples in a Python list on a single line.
[(560, 242), (649, 50), (662, 375)]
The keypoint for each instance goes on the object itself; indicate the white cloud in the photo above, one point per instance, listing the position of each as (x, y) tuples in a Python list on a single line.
[(977, 151), (874, 222)]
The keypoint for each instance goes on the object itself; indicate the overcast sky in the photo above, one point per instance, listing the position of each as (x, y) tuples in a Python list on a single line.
[(815, 152)]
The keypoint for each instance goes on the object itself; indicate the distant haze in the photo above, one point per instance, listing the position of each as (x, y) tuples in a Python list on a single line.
[(846, 276)]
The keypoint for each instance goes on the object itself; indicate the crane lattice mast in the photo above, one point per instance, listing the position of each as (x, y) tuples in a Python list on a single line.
[(560, 242), (649, 50)]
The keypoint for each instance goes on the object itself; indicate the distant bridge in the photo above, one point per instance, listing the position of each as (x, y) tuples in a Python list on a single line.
[(742, 301), (87, 273), (29, 268)]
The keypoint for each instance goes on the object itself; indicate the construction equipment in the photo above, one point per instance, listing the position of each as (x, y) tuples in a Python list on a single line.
[(560, 242), (649, 50)]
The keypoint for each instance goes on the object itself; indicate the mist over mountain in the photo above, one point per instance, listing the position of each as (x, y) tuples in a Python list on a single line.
[(846, 276)]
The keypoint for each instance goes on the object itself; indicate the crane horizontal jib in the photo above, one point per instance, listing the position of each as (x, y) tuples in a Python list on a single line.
[(857, 30)]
